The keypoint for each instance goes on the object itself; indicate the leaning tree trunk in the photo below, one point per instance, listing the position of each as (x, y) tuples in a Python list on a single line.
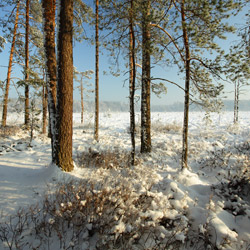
[(26, 108), (145, 91), (132, 76), (96, 129), (64, 114), (49, 12), (187, 88), (6, 95)]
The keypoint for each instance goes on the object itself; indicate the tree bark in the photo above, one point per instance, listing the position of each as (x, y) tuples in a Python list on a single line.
[(132, 77), (64, 114), (26, 108), (6, 95), (45, 109), (49, 12), (96, 129), (146, 71), (187, 88)]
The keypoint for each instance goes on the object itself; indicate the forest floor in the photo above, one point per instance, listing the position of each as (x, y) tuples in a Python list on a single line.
[(105, 204)]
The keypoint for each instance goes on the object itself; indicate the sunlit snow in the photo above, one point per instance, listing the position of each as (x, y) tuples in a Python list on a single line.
[(197, 192)]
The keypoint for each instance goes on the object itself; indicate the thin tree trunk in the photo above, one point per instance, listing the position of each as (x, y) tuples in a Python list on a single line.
[(132, 76), (49, 12), (235, 101), (45, 109), (187, 88), (96, 129), (64, 114), (82, 104), (145, 91), (26, 108), (6, 95)]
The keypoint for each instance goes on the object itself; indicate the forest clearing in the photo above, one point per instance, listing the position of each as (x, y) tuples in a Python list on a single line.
[(107, 204)]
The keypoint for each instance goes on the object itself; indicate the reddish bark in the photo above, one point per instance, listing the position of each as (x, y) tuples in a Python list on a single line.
[(6, 95)]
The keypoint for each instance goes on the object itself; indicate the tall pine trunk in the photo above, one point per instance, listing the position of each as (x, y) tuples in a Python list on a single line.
[(26, 94), (132, 77), (187, 88), (49, 12), (6, 95), (146, 69), (96, 129), (64, 114), (45, 109)]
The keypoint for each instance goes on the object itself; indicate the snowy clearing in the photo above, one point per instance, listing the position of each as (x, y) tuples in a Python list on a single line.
[(158, 206)]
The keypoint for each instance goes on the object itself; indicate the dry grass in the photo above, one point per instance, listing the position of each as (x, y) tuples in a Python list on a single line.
[(166, 128), (9, 130), (159, 128), (105, 159)]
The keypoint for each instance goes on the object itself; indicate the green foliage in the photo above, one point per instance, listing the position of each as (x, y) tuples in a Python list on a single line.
[(2, 42), (83, 14), (205, 22)]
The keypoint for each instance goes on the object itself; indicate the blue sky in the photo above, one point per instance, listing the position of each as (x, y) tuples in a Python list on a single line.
[(116, 88)]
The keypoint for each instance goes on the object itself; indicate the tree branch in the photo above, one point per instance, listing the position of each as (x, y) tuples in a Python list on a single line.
[(171, 38)]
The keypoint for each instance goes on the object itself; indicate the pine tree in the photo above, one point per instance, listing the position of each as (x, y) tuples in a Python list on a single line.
[(119, 18), (132, 77), (45, 105), (187, 85), (116, 19), (49, 12), (21, 48), (27, 30), (200, 23), (237, 69), (82, 75), (6, 95), (146, 88), (64, 114), (96, 130)]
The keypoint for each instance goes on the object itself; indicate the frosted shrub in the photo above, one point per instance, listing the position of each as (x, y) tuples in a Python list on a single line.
[(106, 159), (215, 159), (234, 128), (118, 217), (79, 215)]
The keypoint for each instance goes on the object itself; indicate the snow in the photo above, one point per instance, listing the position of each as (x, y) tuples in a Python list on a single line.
[(198, 198)]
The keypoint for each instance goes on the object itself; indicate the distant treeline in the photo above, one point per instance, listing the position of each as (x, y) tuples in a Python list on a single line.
[(176, 107), (16, 105)]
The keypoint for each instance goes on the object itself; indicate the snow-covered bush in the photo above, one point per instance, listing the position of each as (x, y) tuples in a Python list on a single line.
[(117, 217), (85, 215), (215, 159)]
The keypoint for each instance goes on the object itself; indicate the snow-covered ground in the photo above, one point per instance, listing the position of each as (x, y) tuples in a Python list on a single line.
[(210, 203)]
